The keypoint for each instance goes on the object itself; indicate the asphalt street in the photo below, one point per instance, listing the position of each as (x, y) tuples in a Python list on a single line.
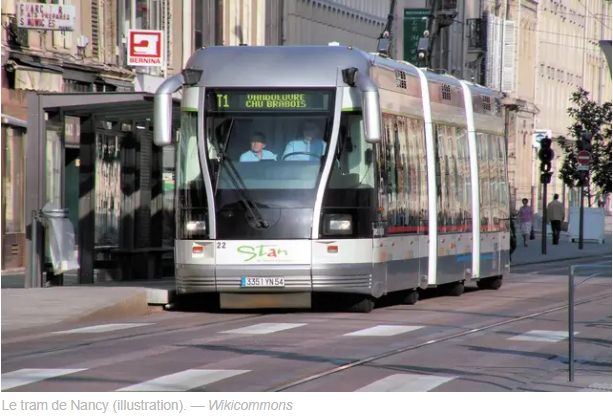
[(513, 339)]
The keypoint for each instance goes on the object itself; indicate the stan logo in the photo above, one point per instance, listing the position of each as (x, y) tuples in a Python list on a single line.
[(145, 48), (262, 253)]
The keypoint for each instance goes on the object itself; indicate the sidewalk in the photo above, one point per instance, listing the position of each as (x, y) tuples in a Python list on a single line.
[(563, 251), (28, 309), (566, 250)]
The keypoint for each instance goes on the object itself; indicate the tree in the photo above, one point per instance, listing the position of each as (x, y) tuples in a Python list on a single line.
[(590, 116)]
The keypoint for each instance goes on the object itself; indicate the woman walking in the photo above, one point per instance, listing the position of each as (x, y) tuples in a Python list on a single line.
[(525, 220)]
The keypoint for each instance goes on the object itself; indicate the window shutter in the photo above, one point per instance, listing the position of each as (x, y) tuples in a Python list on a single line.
[(509, 57), (95, 28), (494, 35)]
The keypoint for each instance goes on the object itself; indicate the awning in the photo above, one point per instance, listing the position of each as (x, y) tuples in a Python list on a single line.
[(36, 76), (80, 76), (13, 121), (116, 82)]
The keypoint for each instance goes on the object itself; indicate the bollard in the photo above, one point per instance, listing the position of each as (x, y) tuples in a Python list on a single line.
[(571, 324)]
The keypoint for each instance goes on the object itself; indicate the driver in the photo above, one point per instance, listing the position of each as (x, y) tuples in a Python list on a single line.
[(310, 147), (257, 152)]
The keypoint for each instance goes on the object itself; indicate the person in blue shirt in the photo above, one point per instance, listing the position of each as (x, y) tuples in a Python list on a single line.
[(311, 147), (257, 152)]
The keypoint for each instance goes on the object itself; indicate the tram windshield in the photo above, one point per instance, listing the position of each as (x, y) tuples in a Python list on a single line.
[(268, 140)]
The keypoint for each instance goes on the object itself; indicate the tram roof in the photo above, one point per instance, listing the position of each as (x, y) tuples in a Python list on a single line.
[(261, 66)]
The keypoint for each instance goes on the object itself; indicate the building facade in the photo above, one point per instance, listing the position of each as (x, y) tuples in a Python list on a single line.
[(569, 57)]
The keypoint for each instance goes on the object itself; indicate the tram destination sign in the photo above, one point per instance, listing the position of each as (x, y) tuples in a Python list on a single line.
[(263, 101)]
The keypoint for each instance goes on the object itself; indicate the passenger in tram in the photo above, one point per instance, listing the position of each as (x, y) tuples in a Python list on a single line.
[(308, 147), (257, 151)]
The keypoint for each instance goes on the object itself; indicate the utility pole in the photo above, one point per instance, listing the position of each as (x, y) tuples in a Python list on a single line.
[(584, 144), (546, 156)]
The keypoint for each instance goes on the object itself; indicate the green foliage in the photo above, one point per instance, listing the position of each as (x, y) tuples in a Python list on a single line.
[(588, 115)]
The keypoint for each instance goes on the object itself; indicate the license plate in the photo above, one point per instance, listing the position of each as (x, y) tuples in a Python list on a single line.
[(262, 282)]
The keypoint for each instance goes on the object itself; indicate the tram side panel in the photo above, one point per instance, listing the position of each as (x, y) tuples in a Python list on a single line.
[(401, 177), (452, 179)]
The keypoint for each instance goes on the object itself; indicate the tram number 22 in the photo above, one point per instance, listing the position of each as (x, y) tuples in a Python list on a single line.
[(221, 244), (222, 101)]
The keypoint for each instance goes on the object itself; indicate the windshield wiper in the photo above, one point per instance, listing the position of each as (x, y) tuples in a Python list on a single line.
[(246, 199)]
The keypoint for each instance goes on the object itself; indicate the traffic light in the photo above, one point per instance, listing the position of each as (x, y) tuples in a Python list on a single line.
[(546, 154), (585, 141), (546, 177)]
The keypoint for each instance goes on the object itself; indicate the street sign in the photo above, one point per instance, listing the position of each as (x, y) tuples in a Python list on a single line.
[(146, 48), (583, 160), (415, 23)]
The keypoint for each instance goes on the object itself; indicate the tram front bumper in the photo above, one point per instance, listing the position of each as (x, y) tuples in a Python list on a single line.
[(333, 278)]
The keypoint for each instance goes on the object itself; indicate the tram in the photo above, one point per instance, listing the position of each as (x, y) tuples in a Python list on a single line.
[(303, 170)]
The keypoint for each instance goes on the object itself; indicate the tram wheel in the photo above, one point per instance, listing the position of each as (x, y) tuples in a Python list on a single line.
[(364, 305), (491, 283), (455, 289), (411, 298)]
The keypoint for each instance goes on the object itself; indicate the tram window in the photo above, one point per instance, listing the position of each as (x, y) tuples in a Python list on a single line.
[(191, 195), (421, 166), (353, 167), (402, 172), (483, 168)]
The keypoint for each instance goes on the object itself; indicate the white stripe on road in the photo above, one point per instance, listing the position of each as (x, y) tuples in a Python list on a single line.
[(184, 380), (33, 375), (542, 336), (406, 383), (383, 331), (260, 329), (96, 329)]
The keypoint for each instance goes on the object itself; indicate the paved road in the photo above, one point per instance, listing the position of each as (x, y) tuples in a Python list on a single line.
[(474, 342)]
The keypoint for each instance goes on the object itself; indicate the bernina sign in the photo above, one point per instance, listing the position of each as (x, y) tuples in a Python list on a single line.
[(45, 16), (146, 48)]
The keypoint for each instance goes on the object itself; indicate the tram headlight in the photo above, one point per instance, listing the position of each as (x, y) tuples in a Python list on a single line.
[(192, 226), (338, 224)]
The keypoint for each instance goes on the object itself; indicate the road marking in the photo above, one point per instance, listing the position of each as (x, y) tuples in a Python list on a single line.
[(33, 375), (96, 329), (383, 331), (541, 336), (599, 387), (260, 329), (406, 383), (184, 380)]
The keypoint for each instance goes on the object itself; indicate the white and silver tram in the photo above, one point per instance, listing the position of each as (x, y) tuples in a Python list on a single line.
[(403, 185)]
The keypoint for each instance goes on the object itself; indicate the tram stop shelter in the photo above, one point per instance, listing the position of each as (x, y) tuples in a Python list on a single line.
[(93, 154)]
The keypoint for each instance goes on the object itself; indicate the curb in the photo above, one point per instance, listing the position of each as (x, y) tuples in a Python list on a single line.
[(593, 256)]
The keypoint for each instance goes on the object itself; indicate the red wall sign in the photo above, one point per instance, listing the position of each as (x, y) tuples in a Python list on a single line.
[(145, 48)]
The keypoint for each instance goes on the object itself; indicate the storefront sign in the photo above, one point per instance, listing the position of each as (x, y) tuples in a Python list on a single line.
[(146, 48), (41, 16)]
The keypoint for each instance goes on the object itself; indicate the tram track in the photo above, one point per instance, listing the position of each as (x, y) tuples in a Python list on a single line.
[(396, 351)]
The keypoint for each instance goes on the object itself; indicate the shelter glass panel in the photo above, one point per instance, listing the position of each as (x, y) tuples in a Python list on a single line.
[(108, 191)]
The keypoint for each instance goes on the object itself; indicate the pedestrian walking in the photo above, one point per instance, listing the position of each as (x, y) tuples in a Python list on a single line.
[(555, 215), (525, 220)]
